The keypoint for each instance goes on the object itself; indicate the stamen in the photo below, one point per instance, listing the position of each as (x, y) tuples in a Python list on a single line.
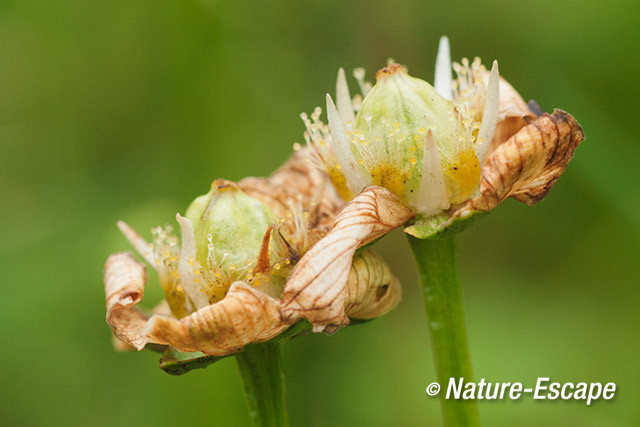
[(359, 74)]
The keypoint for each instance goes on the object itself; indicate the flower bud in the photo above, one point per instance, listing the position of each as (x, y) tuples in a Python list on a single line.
[(406, 137), (232, 232), (391, 129)]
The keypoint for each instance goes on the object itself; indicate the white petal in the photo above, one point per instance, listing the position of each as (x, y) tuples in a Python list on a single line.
[(432, 193), (442, 79), (138, 243), (490, 116), (187, 275), (343, 98), (355, 176)]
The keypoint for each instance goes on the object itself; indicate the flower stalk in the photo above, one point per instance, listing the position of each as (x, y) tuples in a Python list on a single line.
[(438, 273), (260, 367)]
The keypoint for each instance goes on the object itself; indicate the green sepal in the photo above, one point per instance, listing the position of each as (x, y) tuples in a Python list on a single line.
[(176, 363), (439, 226)]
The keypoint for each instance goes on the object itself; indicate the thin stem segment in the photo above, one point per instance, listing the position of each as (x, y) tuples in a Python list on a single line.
[(438, 271), (261, 371)]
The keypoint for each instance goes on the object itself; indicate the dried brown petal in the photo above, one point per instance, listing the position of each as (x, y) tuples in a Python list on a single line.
[(124, 280), (297, 180), (513, 115), (316, 288), (529, 163), (245, 315), (372, 290)]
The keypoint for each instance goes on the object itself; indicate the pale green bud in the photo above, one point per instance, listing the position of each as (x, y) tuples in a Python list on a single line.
[(229, 229), (408, 137)]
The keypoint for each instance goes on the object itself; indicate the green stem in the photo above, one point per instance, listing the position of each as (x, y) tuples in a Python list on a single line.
[(261, 371), (438, 271)]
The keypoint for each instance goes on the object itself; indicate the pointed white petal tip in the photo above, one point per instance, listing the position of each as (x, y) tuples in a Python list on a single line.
[(343, 98), (432, 193), (491, 110), (494, 68), (187, 275), (354, 175), (442, 79), (137, 242)]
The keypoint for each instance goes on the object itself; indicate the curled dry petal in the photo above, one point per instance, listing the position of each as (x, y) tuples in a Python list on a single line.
[(245, 315), (316, 288), (513, 114), (528, 164), (298, 181), (124, 280), (372, 290)]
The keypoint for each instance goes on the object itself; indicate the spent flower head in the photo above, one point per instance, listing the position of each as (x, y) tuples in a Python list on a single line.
[(424, 147), (224, 278), (439, 155)]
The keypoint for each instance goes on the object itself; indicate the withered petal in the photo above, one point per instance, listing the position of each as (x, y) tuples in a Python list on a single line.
[(124, 280), (316, 288), (297, 178), (245, 315), (372, 290), (513, 114), (527, 165)]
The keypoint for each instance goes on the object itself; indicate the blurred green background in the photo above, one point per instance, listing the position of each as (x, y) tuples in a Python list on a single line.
[(128, 109)]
